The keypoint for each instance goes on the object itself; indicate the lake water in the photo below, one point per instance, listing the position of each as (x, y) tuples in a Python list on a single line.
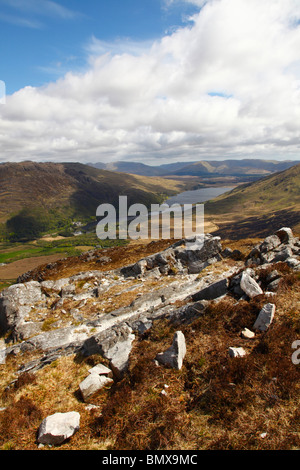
[(197, 196)]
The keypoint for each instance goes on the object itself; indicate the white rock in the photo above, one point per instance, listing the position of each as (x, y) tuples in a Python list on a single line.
[(237, 352), (247, 334), (55, 429)]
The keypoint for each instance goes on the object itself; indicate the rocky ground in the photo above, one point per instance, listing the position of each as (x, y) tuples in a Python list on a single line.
[(104, 312)]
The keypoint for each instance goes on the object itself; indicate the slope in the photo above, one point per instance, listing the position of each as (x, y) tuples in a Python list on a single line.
[(255, 208), (73, 189)]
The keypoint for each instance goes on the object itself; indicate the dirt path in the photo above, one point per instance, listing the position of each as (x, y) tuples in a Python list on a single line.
[(15, 269)]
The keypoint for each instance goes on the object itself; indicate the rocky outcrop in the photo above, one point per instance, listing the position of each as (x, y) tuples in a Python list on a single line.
[(76, 308), (192, 255), (281, 246)]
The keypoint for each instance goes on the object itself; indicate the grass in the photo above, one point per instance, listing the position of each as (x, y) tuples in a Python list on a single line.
[(67, 247)]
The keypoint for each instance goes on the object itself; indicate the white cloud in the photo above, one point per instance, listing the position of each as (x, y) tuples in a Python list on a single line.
[(227, 85)]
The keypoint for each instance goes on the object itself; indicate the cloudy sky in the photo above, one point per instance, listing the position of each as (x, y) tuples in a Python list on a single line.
[(154, 81)]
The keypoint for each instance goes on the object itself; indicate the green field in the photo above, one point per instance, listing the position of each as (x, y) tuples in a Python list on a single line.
[(10, 252)]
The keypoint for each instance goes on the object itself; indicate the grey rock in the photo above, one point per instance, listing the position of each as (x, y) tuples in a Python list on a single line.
[(15, 304), (269, 243), (114, 344), (213, 291), (55, 429), (250, 286), (68, 291), (285, 234), (174, 356), (92, 384), (101, 369), (273, 286), (265, 317), (55, 286)]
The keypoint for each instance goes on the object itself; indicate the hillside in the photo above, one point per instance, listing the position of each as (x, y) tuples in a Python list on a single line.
[(155, 347), (258, 207), (73, 189)]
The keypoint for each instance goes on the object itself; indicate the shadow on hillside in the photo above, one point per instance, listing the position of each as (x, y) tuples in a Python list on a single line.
[(258, 227)]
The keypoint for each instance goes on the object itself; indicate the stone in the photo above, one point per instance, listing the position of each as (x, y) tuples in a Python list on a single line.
[(269, 243), (283, 254), (114, 344), (15, 304), (273, 286), (174, 356), (285, 234), (292, 262), (236, 352), (265, 317), (250, 286), (68, 291), (215, 290), (101, 369), (55, 429), (92, 384), (247, 334)]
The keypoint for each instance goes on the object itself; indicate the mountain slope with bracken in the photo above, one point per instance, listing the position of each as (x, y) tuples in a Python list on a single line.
[(256, 209), (74, 189)]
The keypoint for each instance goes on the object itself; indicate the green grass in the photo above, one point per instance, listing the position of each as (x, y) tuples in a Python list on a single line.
[(11, 252), (32, 251)]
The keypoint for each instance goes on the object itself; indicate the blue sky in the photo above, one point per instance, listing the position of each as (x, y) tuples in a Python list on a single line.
[(153, 81), (41, 39)]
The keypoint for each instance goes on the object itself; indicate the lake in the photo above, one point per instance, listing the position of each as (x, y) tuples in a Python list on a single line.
[(197, 196)]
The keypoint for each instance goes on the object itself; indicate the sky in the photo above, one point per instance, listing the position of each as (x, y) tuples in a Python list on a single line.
[(153, 81)]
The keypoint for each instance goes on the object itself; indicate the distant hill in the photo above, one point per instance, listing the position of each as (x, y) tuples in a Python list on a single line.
[(250, 169), (74, 189), (136, 168), (254, 208)]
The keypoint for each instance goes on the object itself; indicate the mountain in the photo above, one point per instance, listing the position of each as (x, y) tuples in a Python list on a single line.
[(246, 168), (74, 189), (255, 208), (140, 168)]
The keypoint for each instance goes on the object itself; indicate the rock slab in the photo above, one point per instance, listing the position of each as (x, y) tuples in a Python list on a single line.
[(173, 357), (55, 429), (265, 317)]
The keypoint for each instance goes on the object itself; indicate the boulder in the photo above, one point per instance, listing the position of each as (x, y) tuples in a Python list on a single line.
[(285, 234), (250, 286), (173, 357), (265, 317), (55, 429), (269, 243), (15, 304), (114, 344), (92, 384)]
